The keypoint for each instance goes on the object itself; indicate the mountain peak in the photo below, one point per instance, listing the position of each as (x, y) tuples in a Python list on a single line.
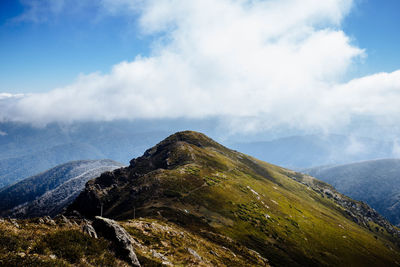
[(176, 149), (289, 218), (190, 137)]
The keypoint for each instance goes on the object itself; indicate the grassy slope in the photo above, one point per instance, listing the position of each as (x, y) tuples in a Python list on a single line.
[(375, 182), (195, 182), (157, 244), (35, 244)]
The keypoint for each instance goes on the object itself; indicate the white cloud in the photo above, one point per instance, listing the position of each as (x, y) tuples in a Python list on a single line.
[(258, 63)]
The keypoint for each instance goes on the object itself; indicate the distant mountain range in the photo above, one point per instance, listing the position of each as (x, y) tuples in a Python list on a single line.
[(26, 150), (49, 192), (375, 182), (298, 152)]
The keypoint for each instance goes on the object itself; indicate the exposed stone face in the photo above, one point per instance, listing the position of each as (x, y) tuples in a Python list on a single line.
[(123, 242), (89, 230), (61, 219), (49, 220)]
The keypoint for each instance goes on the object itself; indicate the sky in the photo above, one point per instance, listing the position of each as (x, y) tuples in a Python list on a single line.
[(256, 65)]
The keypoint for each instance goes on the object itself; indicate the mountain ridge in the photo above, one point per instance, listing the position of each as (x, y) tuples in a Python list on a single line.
[(376, 182), (287, 217), (47, 193)]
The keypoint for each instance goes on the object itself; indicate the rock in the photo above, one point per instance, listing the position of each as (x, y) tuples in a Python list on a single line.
[(88, 229), (1, 220), (257, 255), (49, 220), (123, 242), (40, 221), (75, 214), (61, 219), (212, 252), (14, 222), (194, 253), (158, 255)]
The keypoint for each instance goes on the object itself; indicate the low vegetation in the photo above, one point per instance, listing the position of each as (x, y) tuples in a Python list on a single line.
[(37, 244)]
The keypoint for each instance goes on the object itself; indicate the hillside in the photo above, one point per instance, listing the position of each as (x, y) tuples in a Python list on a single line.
[(66, 242), (375, 182), (190, 181), (26, 150), (49, 192)]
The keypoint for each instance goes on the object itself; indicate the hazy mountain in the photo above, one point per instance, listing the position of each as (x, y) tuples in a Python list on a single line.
[(26, 150), (315, 150), (196, 184), (375, 182), (49, 192), (15, 169)]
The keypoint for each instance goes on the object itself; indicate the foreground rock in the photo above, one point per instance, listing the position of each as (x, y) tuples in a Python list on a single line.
[(123, 242), (89, 230)]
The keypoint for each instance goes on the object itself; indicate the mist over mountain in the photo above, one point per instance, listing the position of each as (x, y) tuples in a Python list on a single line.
[(49, 192), (375, 182), (26, 150), (304, 151)]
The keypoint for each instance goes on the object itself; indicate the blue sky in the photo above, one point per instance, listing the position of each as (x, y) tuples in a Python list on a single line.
[(374, 25), (254, 65), (39, 56)]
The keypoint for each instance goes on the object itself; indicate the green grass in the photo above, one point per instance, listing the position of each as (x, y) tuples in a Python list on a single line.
[(257, 205), (41, 245)]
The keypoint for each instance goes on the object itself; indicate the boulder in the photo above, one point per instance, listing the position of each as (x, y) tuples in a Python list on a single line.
[(123, 242), (49, 220), (89, 230), (61, 219)]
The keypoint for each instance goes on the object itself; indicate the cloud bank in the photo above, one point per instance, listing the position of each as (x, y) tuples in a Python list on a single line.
[(257, 64)]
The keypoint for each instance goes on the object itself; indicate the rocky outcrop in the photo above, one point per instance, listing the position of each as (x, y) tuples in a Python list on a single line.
[(123, 242), (88, 229), (49, 221)]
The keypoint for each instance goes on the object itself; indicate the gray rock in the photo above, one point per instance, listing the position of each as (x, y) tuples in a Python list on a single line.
[(158, 255), (123, 242), (88, 229), (194, 253), (61, 219), (14, 222), (49, 220)]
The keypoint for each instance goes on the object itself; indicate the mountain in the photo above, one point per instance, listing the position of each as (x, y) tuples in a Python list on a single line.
[(49, 192), (26, 150), (239, 203), (308, 151), (15, 169), (375, 182)]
